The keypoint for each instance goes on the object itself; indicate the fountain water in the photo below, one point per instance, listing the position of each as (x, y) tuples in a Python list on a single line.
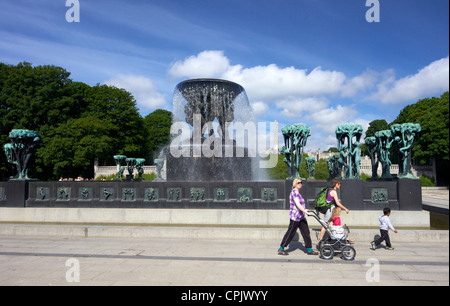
[(210, 107)]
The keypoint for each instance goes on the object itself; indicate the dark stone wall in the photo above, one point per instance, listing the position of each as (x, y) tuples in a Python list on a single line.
[(402, 194)]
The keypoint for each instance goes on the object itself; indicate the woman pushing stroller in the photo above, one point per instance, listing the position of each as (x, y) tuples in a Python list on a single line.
[(297, 216)]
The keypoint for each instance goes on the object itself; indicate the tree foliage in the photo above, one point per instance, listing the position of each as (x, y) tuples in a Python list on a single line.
[(77, 123), (279, 172), (433, 143), (375, 126), (158, 126), (432, 115)]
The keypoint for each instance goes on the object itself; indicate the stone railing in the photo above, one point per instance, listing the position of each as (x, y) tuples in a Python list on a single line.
[(365, 168), (417, 171), (113, 170)]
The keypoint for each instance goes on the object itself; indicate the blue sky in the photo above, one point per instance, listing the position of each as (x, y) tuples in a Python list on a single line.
[(318, 63)]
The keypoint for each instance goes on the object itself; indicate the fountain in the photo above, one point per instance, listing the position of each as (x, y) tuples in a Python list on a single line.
[(209, 165), (210, 107)]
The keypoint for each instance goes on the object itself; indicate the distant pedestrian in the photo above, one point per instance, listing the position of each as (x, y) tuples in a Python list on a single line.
[(385, 225), (297, 216)]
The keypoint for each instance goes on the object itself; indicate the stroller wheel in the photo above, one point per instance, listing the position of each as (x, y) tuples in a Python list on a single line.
[(320, 244), (348, 252), (326, 252)]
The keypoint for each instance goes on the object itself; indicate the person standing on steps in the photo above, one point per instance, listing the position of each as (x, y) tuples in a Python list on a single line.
[(297, 216)]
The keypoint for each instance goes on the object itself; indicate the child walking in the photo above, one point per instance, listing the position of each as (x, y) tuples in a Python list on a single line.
[(385, 225)]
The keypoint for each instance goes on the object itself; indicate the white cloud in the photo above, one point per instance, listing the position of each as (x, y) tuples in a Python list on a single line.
[(262, 83), (325, 132), (309, 96), (430, 80), (259, 108), (329, 118), (297, 93), (272, 82), (143, 89), (293, 106), (360, 83), (207, 64)]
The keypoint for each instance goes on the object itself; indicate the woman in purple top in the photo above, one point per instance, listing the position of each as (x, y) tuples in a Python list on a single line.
[(297, 218)]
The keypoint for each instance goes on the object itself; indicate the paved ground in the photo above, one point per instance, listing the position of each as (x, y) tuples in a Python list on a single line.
[(26, 260), (435, 199), (192, 262)]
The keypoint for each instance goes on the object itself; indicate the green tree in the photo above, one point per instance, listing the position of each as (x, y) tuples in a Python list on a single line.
[(109, 124), (73, 146), (117, 109), (332, 150), (375, 126), (158, 125), (433, 143), (35, 98), (76, 122)]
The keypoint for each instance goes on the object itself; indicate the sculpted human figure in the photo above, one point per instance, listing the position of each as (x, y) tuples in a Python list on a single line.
[(131, 163), (295, 137), (211, 99), (333, 166), (159, 162), (350, 153), (372, 147), (410, 133), (140, 167), (385, 140), (21, 152), (396, 130), (311, 166), (120, 160), (343, 153), (356, 159)]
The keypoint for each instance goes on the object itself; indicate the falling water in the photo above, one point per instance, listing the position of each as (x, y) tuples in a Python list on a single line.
[(220, 102)]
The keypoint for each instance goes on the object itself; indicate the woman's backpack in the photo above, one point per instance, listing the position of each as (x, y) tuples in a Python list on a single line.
[(321, 201)]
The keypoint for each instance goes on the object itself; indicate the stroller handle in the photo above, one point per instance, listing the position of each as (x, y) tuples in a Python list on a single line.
[(315, 215), (321, 222)]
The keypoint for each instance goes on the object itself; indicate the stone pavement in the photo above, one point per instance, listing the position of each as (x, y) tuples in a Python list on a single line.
[(435, 199), (48, 255), (45, 261)]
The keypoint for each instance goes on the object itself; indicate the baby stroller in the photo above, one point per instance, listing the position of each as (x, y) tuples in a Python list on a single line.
[(335, 242)]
